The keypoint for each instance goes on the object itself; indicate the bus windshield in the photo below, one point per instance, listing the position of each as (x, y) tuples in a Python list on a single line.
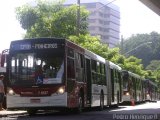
[(36, 69)]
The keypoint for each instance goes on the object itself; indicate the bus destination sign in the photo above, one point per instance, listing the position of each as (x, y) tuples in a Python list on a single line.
[(45, 46), (27, 46)]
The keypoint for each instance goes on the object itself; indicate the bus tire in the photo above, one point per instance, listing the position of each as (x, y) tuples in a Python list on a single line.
[(80, 104), (101, 107), (31, 111), (118, 101)]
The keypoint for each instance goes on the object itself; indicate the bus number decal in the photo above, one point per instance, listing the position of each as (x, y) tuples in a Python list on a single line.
[(42, 92)]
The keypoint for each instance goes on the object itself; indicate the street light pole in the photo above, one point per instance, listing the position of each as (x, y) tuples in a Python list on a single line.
[(137, 47), (121, 45), (78, 17)]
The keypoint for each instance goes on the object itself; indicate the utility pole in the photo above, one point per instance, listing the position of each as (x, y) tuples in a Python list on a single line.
[(78, 17), (122, 47)]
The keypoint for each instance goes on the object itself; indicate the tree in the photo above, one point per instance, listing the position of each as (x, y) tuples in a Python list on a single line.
[(51, 19), (151, 49), (55, 20), (154, 65), (91, 43), (134, 65)]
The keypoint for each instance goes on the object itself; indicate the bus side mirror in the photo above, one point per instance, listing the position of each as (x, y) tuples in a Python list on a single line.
[(2, 60)]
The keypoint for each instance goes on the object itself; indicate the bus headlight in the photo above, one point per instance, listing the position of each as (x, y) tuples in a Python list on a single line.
[(127, 93), (11, 92), (61, 90)]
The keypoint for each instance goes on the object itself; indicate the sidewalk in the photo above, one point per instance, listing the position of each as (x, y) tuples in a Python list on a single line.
[(11, 112)]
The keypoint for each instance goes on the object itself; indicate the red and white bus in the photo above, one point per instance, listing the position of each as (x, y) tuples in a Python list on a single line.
[(51, 73)]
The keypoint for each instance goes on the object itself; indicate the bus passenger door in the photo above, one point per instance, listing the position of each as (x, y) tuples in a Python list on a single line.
[(112, 85), (88, 80)]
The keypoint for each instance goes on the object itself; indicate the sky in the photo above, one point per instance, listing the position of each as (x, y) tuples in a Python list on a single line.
[(135, 18)]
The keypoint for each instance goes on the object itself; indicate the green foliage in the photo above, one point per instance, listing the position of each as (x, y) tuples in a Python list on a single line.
[(143, 46), (154, 69), (154, 65), (91, 43), (51, 19), (134, 65), (27, 16)]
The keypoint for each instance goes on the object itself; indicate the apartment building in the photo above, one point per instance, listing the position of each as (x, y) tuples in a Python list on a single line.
[(104, 20)]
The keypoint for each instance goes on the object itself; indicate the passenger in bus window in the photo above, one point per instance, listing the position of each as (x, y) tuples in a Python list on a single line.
[(2, 93)]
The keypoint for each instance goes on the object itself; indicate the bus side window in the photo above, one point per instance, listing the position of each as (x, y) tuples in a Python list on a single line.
[(70, 68), (79, 67), (70, 64)]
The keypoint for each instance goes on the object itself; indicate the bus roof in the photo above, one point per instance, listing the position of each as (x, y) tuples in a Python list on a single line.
[(150, 82), (134, 74), (15, 45), (114, 66), (94, 56)]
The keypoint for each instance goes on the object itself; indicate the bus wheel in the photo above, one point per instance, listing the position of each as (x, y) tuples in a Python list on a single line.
[(80, 105), (101, 107), (118, 99), (31, 111)]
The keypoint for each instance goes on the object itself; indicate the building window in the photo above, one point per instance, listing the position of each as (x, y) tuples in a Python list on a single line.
[(106, 15), (106, 30), (101, 29), (106, 22), (101, 14), (92, 20), (101, 21), (91, 5), (92, 28), (92, 13), (106, 37)]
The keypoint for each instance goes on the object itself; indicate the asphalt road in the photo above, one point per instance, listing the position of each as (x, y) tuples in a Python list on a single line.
[(146, 111)]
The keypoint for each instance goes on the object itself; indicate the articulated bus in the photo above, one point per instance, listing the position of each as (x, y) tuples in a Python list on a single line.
[(51, 73), (132, 87), (56, 74)]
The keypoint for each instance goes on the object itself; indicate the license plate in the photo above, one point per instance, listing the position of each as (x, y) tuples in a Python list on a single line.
[(35, 100)]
